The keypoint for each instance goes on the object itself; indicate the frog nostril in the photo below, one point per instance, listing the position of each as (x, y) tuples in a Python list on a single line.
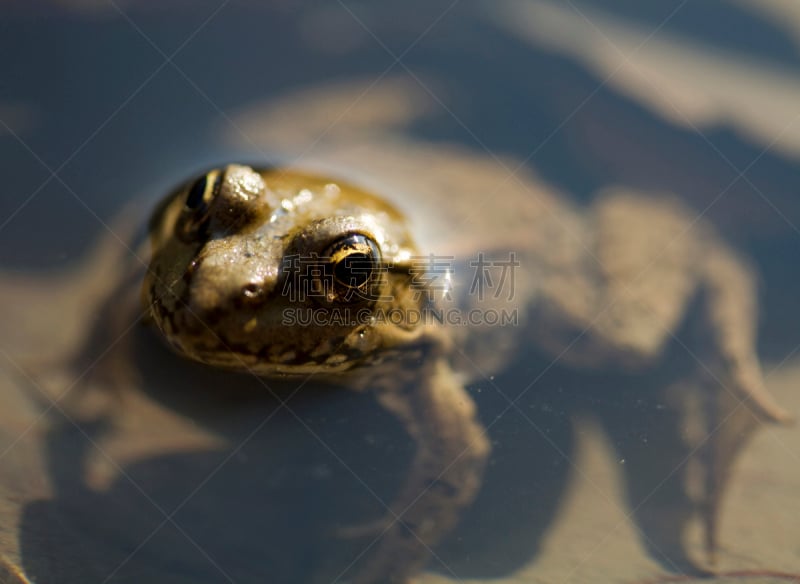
[(252, 292)]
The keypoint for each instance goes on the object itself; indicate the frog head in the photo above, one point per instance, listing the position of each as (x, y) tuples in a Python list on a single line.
[(280, 272)]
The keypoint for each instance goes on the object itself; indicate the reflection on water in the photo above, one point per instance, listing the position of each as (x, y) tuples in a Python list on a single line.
[(254, 505), (190, 475), (260, 507)]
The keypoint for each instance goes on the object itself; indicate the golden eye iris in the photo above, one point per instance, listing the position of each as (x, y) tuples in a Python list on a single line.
[(354, 267)]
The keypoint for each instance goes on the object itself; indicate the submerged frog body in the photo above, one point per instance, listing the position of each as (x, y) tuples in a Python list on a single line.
[(238, 251)]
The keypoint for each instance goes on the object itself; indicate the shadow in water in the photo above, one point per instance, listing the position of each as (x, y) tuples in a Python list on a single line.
[(264, 506), (533, 459), (269, 503)]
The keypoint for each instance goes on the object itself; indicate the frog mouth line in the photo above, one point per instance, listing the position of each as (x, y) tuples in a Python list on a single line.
[(256, 364)]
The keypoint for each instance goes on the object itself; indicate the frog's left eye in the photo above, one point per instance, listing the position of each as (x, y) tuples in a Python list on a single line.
[(354, 266)]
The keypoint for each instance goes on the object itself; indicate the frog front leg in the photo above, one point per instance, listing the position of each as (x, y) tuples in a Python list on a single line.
[(445, 473)]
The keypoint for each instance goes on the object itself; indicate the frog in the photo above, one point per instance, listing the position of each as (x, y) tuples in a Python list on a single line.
[(237, 251), (380, 223), (221, 278)]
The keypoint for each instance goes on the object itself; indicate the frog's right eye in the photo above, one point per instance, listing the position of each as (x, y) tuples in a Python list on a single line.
[(197, 203), (195, 197), (203, 191)]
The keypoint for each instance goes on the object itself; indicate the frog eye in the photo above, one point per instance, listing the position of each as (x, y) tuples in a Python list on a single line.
[(203, 191), (197, 203), (195, 197), (354, 268)]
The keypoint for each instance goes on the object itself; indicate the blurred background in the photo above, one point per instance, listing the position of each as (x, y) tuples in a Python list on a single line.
[(107, 101), (695, 98)]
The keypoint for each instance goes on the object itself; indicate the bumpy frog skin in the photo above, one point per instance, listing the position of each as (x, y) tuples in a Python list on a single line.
[(222, 275)]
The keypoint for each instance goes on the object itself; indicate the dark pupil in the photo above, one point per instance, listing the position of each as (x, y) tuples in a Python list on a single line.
[(195, 197), (354, 270)]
